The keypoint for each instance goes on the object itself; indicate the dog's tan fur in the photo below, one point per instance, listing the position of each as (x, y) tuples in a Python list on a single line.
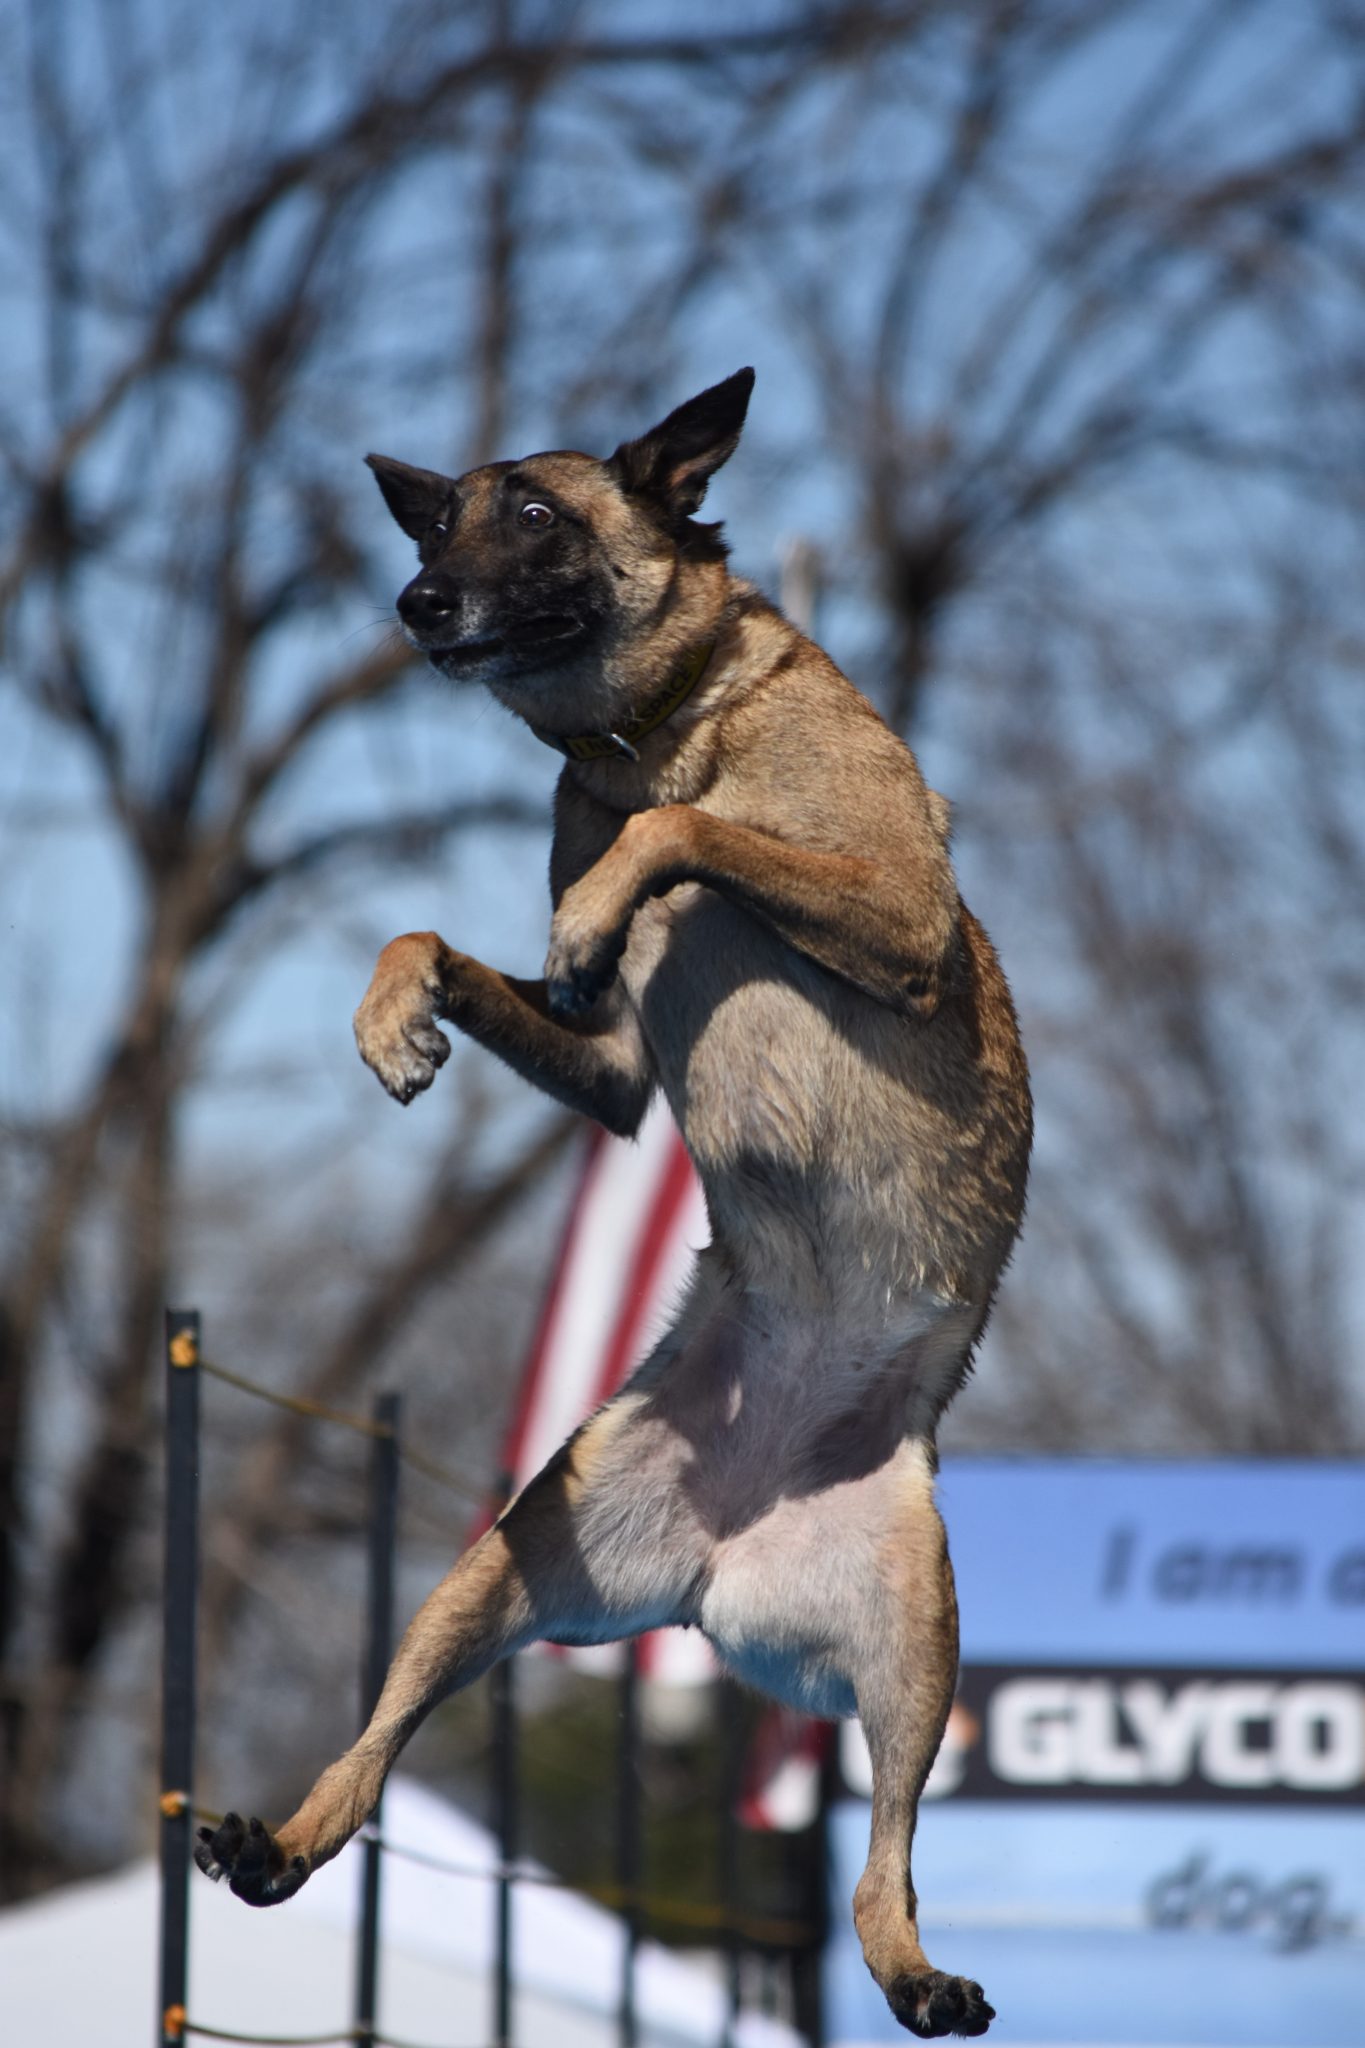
[(758, 915)]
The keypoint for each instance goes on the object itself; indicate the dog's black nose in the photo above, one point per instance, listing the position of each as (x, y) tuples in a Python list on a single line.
[(426, 604)]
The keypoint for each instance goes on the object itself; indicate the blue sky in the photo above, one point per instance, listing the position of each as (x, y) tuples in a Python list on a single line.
[(1146, 545)]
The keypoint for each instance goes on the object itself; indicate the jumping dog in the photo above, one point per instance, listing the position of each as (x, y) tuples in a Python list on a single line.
[(754, 910)]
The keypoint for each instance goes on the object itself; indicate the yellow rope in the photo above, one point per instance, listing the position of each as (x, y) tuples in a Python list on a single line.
[(298, 1404), (318, 1411), (189, 2026), (443, 1477), (681, 1912), (175, 2024), (678, 1912)]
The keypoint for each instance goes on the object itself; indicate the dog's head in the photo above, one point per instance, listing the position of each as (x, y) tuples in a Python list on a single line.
[(538, 575)]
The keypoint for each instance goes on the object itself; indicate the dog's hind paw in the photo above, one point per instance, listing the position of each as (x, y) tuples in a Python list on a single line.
[(932, 2004), (247, 1855)]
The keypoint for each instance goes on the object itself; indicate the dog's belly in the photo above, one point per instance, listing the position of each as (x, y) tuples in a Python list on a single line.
[(796, 1600)]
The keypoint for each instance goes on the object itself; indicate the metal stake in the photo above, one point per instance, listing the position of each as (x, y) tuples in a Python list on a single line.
[(629, 1859), (378, 1649), (179, 1588), (504, 1704), (731, 1786)]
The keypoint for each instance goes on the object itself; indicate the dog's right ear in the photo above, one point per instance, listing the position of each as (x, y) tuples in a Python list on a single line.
[(415, 497), (675, 461)]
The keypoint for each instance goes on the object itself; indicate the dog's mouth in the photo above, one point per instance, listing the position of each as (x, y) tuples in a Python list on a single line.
[(546, 630)]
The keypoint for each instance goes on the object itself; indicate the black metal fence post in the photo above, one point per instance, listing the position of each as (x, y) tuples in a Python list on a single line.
[(379, 1576), (808, 1962), (179, 1588), (504, 1704), (731, 1788), (629, 1860)]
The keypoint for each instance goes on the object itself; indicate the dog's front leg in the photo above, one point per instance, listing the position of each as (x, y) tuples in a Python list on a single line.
[(599, 1066), (888, 932)]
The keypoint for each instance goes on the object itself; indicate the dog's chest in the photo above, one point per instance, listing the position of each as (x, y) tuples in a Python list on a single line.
[(717, 991), (736, 1027), (656, 929)]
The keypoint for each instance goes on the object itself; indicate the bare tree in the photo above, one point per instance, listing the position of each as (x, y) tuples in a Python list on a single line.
[(1056, 304), (1192, 1257), (212, 290), (1077, 291)]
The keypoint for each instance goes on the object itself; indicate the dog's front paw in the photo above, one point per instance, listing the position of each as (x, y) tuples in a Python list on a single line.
[(248, 1856), (932, 2004), (404, 1050), (395, 1026), (581, 963)]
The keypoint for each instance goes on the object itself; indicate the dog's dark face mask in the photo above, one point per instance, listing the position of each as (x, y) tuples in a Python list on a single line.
[(513, 577), (533, 571)]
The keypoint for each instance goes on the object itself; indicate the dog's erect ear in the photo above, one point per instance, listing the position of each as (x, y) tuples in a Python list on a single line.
[(676, 460), (414, 496)]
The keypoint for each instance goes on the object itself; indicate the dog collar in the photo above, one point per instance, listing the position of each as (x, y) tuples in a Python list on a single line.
[(603, 746)]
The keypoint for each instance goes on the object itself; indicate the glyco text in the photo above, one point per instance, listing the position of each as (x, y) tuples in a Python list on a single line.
[(1237, 1734)]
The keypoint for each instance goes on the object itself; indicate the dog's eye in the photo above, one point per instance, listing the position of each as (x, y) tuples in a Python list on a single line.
[(536, 515), (438, 529)]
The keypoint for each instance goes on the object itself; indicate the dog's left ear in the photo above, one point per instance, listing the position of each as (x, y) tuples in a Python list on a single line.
[(414, 496), (676, 460)]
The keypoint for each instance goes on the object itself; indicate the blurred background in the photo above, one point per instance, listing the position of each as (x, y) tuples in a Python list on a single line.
[(1058, 313)]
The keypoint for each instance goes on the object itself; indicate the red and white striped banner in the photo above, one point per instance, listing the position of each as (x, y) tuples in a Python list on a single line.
[(781, 1789)]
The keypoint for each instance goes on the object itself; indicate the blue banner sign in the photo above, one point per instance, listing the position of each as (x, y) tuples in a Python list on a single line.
[(1198, 1927), (1147, 1821), (1071, 1561)]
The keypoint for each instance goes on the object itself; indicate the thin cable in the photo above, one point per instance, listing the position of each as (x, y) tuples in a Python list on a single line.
[(679, 1912), (318, 1411), (682, 1912), (297, 1404), (189, 2026)]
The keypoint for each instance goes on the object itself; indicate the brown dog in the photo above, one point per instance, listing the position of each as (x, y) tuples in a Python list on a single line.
[(755, 911)]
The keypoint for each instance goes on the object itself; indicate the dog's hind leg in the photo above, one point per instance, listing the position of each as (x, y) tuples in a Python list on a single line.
[(904, 1676), (598, 1546)]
